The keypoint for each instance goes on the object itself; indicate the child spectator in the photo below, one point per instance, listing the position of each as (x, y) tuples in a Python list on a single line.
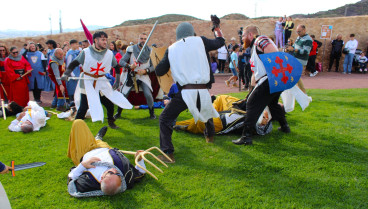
[(233, 67), (214, 65), (362, 62)]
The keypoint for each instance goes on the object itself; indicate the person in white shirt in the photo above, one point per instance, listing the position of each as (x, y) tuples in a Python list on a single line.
[(351, 45), (222, 56), (31, 119)]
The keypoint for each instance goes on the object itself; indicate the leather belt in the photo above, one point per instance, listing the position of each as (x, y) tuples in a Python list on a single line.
[(195, 86), (94, 76), (19, 72)]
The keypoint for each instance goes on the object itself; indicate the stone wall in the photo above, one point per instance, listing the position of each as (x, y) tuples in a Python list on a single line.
[(165, 33)]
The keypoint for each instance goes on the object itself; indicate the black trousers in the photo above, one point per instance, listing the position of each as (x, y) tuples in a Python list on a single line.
[(36, 91), (257, 102), (311, 65), (248, 75), (335, 56), (167, 118), (221, 65), (287, 35), (242, 72), (84, 107)]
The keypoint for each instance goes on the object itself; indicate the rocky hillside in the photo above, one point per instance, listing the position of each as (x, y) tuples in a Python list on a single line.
[(359, 8), (235, 16), (161, 19)]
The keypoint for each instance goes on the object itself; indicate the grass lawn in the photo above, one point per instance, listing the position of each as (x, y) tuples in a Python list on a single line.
[(322, 163)]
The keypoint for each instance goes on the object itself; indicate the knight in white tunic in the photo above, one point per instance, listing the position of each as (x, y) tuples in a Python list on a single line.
[(142, 68), (93, 87), (189, 62)]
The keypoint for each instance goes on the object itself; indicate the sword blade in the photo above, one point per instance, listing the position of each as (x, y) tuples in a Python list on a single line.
[(148, 38), (28, 165)]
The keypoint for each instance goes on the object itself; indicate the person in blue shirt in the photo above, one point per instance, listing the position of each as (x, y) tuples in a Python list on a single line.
[(233, 67)]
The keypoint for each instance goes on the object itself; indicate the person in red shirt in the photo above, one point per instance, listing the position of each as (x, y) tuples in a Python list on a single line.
[(4, 80), (18, 69), (311, 65)]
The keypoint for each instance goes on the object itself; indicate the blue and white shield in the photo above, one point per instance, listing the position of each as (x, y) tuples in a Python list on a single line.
[(283, 70)]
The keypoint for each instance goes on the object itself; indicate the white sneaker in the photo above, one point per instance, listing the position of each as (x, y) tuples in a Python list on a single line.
[(311, 75), (343, 73), (360, 70), (365, 70), (315, 73)]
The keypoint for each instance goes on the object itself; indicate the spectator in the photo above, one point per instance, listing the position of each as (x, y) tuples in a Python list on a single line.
[(351, 46), (70, 56), (113, 48), (214, 65), (4, 79), (241, 66), (233, 67), (37, 78), (336, 50), (311, 65), (301, 49), (231, 45), (248, 71), (24, 49), (278, 32), (288, 28), (85, 44), (51, 45), (18, 69), (222, 56), (362, 62)]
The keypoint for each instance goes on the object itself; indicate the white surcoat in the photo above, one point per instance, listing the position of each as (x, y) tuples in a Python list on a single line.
[(189, 65), (102, 85)]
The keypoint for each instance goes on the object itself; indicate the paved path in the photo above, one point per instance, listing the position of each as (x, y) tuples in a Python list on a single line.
[(324, 80)]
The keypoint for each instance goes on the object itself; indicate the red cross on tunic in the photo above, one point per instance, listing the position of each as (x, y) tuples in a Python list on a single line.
[(282, 70), (98, 69)]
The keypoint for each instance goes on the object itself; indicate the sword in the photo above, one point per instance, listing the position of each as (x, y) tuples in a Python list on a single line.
[(79, 78), (3, 108), (2, 86), (24, 166), (139, 56)]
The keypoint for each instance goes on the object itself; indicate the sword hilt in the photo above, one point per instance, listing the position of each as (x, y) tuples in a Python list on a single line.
[(12, 168)]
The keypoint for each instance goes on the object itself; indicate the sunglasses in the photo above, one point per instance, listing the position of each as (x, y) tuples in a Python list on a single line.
[(15, 52), (2, 50)]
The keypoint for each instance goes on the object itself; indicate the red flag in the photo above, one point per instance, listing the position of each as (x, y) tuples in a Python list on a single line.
[(88, 34)]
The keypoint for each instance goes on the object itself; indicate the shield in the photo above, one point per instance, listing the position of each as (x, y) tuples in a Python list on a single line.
[(283, 70), (166, 80)]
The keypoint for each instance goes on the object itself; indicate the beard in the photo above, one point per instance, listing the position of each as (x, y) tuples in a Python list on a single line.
[(247, 43)]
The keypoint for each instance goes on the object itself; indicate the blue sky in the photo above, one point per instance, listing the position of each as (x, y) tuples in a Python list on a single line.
[(34, 14)]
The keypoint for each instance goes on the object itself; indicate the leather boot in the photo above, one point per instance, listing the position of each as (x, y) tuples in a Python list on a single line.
[(165, 160), (152, 113), (245, 138), (112, 124), (118, 113), (284, 127), (101, 133)]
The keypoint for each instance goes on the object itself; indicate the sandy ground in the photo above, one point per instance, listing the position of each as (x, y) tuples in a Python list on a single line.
[(324, 80)]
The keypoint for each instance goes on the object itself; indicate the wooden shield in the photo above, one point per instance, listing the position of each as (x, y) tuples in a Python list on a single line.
[(166, 80)]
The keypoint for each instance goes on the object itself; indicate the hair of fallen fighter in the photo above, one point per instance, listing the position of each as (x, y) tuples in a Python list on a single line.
[(99, 34), (109, 186)]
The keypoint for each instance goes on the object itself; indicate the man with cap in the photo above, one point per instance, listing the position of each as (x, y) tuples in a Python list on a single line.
[(190, 68)]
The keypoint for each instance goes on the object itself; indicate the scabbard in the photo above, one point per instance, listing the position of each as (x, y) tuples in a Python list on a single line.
[(135, 84)]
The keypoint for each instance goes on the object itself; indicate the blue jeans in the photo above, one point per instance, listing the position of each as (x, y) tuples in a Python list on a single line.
[(57, 102), (348, 62), (233, 70)]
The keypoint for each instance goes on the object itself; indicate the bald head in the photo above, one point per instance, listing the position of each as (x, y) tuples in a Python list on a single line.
[(59, 53), (111, 185), (301, 30), (26, 127)]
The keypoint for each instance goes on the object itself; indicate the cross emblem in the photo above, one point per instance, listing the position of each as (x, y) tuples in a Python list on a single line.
[(98, 69), (282, 70)]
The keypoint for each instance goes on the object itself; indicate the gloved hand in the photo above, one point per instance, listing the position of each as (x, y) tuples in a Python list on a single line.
[(117, 82), (66, 75), (215, 22)]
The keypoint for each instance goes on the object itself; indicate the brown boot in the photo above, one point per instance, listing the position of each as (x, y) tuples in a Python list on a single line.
[(112, 124), (165, 160)]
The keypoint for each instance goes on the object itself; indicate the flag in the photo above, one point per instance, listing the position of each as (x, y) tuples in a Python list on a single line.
[(283, 70), (88, 34)]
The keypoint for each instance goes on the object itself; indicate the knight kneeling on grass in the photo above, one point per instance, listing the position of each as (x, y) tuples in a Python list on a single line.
[(31, 119), (101, 170)]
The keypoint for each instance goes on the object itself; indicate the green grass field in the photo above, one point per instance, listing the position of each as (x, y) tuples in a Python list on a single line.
[(322, 163)]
